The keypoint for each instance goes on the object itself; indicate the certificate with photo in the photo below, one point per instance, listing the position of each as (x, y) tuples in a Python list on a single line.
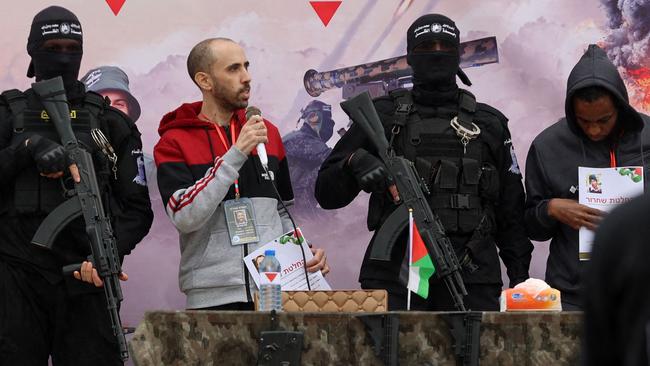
[(604, 189), (288, 252)]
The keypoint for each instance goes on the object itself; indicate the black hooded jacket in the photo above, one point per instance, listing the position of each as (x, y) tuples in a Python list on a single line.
[(554, 158)]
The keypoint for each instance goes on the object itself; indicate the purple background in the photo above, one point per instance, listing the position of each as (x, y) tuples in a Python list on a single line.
[(539, 42)]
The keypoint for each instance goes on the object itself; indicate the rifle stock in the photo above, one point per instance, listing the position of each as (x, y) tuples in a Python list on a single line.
[(411, 190), (88, 196)]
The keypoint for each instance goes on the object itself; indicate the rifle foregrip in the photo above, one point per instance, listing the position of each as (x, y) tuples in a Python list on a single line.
[(70, 269)]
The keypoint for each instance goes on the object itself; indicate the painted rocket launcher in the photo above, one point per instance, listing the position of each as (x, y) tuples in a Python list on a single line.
[(380, 77), (531, 295), (85, 202)]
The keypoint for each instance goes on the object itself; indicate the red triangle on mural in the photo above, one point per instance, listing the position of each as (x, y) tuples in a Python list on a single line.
[(115, 5), (271, 275), (325, 10)]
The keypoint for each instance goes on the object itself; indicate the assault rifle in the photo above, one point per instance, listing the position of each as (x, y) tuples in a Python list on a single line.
[(412, 190), (85, 200)]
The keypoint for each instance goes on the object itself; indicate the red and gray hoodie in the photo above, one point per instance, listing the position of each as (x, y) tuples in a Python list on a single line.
[(196, 174)]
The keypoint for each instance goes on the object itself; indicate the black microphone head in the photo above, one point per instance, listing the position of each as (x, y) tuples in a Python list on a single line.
[(252, 111)]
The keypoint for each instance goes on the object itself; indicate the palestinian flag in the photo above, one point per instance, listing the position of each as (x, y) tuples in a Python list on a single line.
[(421, 267)]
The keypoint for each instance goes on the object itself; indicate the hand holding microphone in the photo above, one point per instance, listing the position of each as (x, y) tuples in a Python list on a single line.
[(253, 134), (261, 150)]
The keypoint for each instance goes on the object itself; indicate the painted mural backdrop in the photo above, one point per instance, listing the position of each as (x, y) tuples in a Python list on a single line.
[(538, 43)]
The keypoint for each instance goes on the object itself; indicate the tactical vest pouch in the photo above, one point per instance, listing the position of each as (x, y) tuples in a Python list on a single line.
[(447, 177), (455, 195), (423, 166), (444, 186), (471, 172), (468, 219), (17, 104), (469, 216), (414, 134), (489, 183)]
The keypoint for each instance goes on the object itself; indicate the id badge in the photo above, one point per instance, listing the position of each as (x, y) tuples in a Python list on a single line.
[(241, 221)]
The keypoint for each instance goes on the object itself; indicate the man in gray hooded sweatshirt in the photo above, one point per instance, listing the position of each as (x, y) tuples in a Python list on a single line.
[(600, 130)]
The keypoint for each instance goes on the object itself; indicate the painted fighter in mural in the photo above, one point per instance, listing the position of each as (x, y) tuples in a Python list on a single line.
[(43, 312), (601, 129), (475, 182), (206, 172), (306, 150), (113, 83)]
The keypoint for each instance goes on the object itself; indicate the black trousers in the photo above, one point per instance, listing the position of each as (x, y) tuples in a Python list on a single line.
[(39, 319), (480, 297)]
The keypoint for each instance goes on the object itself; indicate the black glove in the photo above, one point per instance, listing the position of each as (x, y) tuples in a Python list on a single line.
[(369, 171), (49, 156)]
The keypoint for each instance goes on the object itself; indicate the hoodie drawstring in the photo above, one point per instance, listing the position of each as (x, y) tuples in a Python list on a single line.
[(584, 153)]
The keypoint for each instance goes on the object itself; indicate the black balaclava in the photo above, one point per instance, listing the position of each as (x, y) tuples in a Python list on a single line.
[(325, 127), (433, 71), (54, 22)]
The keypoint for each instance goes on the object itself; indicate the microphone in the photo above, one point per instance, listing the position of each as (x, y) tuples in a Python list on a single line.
[(261, 153), (261, 150)]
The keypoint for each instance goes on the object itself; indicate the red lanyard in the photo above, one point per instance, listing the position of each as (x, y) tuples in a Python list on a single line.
[(612, 151), (225, 143)]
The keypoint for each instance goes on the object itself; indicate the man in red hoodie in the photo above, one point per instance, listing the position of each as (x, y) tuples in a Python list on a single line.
[(206, 167)]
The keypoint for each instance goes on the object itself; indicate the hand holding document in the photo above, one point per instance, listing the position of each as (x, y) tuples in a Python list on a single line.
[(604, 189), (288, 252)]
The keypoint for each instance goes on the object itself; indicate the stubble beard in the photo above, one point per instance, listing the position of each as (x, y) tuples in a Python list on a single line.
[(230, 102)]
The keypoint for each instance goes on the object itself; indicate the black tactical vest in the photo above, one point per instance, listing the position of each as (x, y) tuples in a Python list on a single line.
[(462, 179), (33, 193)]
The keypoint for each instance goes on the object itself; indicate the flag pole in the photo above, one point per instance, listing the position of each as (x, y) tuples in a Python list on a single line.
[(408, 290)]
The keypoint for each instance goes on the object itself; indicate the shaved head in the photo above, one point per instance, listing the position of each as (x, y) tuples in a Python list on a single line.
[(202, 56), (219, 67)]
